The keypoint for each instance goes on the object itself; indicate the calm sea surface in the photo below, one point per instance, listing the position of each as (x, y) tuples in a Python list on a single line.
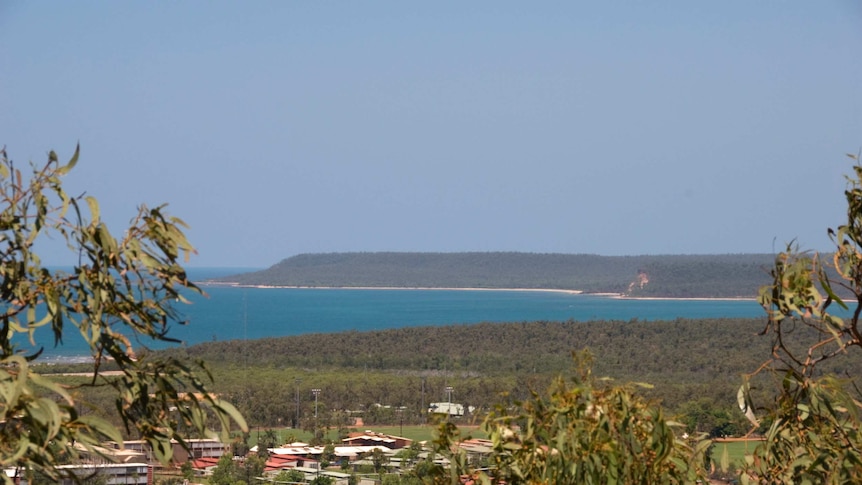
[(254, 313)]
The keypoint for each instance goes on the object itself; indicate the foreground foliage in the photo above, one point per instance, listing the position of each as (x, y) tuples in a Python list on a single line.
[(586, 431), (815, 432), (117, 297)]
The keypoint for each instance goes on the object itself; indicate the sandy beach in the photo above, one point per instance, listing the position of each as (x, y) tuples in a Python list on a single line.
[(618, 296), (238, 285), (696, 298)]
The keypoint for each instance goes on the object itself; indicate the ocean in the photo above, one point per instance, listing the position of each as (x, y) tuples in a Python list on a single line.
[(230, 313)]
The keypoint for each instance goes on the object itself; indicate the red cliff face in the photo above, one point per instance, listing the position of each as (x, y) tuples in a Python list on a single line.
[(639, 282)]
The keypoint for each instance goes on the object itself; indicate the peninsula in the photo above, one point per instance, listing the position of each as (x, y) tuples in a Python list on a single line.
[(646, 276)]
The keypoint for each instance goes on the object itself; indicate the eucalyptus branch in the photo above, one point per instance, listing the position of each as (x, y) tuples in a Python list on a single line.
[(118, 292)]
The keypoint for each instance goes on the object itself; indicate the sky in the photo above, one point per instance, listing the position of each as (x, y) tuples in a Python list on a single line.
[(280, 128)]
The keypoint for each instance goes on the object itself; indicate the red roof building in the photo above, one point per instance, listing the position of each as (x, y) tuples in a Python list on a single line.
[(370, 438)]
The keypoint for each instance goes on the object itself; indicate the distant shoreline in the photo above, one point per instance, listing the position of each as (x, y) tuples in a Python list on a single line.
[(440, 288), (693, 298), (618, 296)]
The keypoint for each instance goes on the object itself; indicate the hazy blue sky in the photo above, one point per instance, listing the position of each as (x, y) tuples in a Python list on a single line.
[(615, 128)]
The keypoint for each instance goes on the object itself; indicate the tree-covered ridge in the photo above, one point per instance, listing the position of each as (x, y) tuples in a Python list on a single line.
[(733, 275), (623, 349), (681, 350)]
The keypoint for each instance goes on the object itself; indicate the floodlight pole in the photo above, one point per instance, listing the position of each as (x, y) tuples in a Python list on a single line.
[(297, 381), (423, 410), (316, 392), (449, 390)]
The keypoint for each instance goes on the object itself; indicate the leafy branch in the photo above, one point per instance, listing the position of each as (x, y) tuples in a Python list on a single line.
[(120, 292)]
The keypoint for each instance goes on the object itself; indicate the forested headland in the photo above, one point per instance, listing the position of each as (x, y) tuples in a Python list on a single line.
[(674, 276)]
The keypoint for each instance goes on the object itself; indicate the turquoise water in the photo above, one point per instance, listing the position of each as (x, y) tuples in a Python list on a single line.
[(253, 313)]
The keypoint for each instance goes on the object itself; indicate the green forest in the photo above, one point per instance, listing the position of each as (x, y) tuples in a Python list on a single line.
[(731, 275), (694, 368)]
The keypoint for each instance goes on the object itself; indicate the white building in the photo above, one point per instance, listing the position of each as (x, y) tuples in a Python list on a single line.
[(450, 408), (115, 473)]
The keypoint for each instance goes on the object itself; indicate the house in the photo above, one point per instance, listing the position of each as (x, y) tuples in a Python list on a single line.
[(15, 475), (476, 449), (205, 466), (450, 408), (370, 438), (113, 453), (277, 463), (338, 478), (114, 473), (198, 448), (311, 454)]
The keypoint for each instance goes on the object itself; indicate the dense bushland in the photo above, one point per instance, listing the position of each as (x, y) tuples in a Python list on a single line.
[(622, 348), (694, 365)]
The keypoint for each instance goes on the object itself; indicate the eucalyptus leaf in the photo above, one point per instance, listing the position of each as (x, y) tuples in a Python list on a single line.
[(106, 300)]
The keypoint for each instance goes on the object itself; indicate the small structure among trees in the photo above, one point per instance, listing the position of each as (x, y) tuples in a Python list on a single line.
[(447, 408)]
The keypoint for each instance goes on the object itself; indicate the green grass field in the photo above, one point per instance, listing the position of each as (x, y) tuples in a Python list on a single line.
[(736, 451)]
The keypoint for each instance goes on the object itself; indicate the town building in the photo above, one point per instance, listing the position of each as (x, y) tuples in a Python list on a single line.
[(370, 438), (113, 473)]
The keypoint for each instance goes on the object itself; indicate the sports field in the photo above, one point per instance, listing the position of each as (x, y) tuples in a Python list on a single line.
[(735, 450)]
